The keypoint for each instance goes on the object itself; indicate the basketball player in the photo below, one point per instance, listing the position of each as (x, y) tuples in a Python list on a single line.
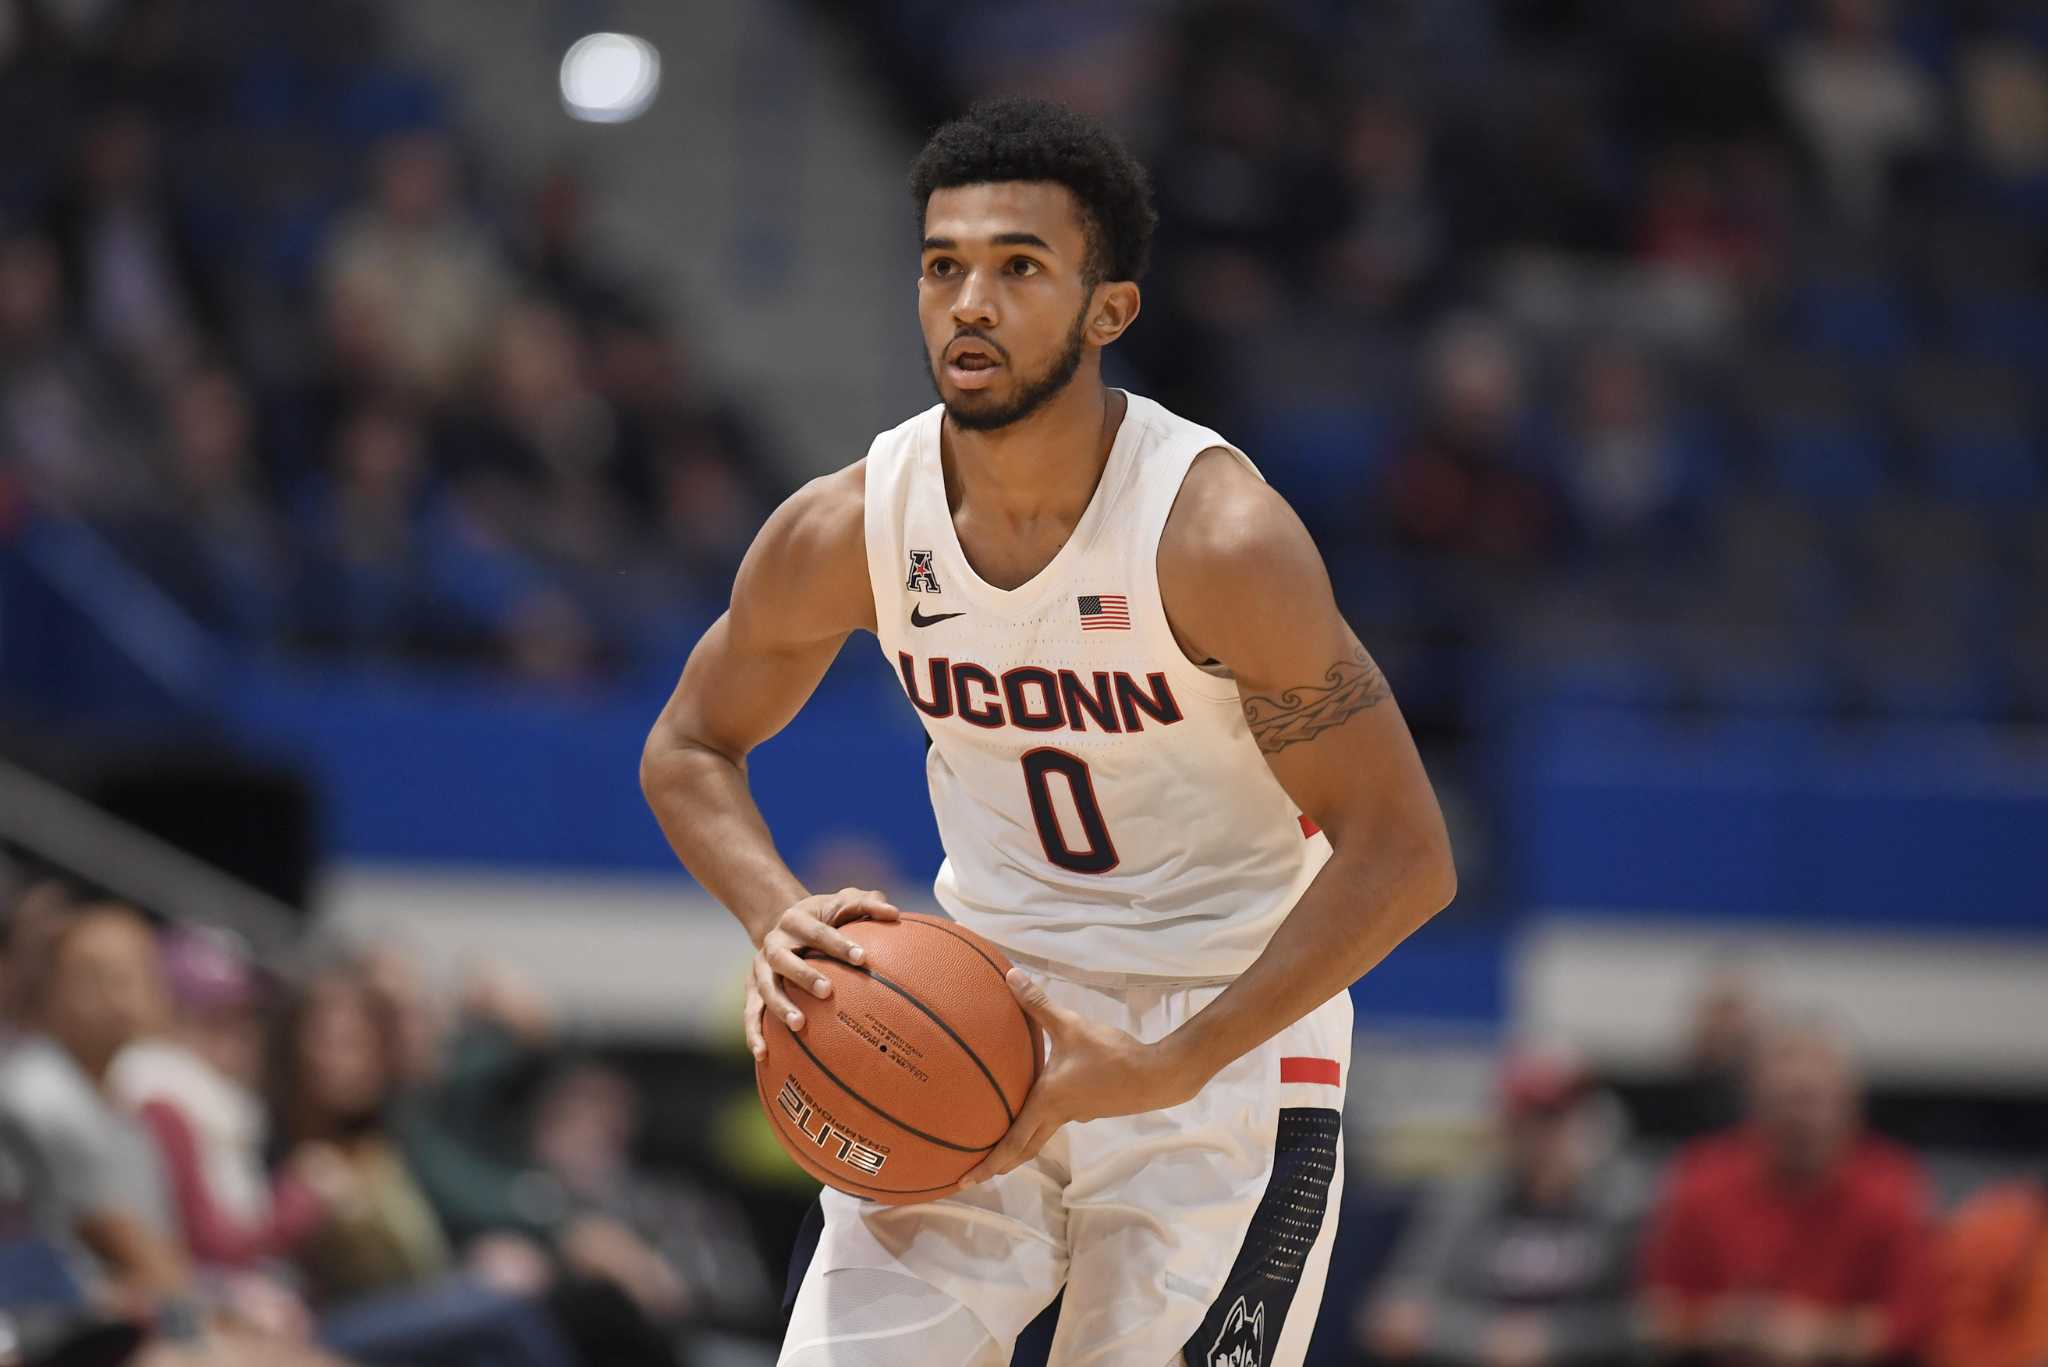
[(1170, 783)]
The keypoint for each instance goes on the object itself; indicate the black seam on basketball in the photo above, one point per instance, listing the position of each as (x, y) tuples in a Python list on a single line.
[(804, 1161), (946, 929), (1002, 1099), (1031, 1045), (965, 1048), (840, 1083)]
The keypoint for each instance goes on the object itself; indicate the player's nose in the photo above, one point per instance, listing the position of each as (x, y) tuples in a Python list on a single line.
[(975, 304)]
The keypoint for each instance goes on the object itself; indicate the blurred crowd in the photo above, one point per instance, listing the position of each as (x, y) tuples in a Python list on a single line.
[(275, 333), (220, 1162), (1673, 355), (206, 1160), (1667, 354), (1781, 1229)]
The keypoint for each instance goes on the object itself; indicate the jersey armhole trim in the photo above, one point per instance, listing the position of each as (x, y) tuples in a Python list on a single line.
[(882, 481), (1197, 679)]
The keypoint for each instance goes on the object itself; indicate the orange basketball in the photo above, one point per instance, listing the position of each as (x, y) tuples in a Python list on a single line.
[(910, 1072)]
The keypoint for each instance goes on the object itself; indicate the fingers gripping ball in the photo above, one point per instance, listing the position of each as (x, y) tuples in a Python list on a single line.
[(910, 1071)]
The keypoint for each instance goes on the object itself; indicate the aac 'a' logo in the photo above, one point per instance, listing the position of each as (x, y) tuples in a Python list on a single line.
[(1241, 1342), (922, 580)]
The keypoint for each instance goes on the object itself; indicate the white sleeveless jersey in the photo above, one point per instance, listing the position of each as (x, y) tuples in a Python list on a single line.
[(1102, 803)]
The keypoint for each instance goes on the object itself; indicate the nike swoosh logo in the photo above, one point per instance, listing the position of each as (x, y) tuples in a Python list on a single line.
[(918, 619)]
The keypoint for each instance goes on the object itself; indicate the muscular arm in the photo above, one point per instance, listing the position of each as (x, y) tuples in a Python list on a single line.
[(801, 591), (1243, 584)]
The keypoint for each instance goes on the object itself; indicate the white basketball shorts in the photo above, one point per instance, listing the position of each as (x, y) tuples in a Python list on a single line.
[(1200, 1232)]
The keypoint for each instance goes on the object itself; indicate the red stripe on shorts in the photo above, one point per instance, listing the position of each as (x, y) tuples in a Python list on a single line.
[(1323, 1070), (1308, 828)]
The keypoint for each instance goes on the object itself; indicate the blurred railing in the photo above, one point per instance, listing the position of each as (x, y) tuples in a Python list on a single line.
[(69, 833), (83, 632)]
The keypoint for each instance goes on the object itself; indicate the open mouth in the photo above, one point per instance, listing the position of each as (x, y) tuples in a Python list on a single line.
[(970, 364)]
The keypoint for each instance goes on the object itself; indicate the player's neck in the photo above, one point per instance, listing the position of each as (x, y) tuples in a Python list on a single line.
[(1048, 464)]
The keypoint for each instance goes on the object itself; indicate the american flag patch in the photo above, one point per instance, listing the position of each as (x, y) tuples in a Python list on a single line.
[(1105, 612)]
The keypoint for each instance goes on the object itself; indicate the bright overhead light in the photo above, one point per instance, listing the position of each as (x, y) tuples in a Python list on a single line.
[(610, 77)]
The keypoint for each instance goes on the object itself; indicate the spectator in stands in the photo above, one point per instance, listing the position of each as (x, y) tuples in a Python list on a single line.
[(1713, 225), (397, 566), (381, 1267), (1246, 178), (1245, 186), (458, 1078), (461, 1117), (413, 285), (555, 253), (1465, 487), (1992, 1273), (541, 462), (702, 507), (139, 284), (2004, 96), (65, 436), (1720, 1046), (1528, 1260), (689, 464), (1393, 237), (1865, 110), (1622, 473), (467, 1078), (332, 1089), (102, 1193), (96, 1188), (197, 1086), (41, 1299), (1796, 1237), (369, 527), (1541, 179), (36, 912), (695, 1253), (216, 541)]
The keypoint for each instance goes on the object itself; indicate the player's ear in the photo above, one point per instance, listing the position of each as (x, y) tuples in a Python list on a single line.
[(1115, 308)]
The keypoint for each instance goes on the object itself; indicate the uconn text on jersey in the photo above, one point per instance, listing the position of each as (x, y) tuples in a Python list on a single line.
[(1032, 698)]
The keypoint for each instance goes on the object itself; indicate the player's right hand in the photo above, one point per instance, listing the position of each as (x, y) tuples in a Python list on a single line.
[(809, 924)]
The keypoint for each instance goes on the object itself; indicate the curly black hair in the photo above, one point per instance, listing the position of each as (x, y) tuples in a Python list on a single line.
[(1014, 138)]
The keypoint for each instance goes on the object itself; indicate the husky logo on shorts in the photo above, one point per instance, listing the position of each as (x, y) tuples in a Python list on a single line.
[(922, 579), (1242, 1340)]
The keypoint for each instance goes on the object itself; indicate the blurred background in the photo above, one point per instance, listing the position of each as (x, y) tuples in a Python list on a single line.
[(387, 392)]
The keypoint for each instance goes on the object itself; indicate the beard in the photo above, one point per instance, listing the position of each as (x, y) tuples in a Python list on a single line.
[(1032, 393)]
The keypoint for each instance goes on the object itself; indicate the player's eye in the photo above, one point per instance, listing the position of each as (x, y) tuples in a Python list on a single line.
[(941, 266), (1023, 265)]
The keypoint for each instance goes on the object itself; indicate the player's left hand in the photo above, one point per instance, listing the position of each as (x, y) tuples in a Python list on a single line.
[(1094, 1071)]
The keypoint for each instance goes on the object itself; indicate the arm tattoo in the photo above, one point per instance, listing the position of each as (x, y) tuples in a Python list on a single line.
[(1349, 686)]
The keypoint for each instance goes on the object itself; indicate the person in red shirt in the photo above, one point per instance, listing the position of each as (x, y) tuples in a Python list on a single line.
[(1797, 1237), (196, 1089)]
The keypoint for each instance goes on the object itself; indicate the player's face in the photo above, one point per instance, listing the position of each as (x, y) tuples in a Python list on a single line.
[(1002, 298)]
